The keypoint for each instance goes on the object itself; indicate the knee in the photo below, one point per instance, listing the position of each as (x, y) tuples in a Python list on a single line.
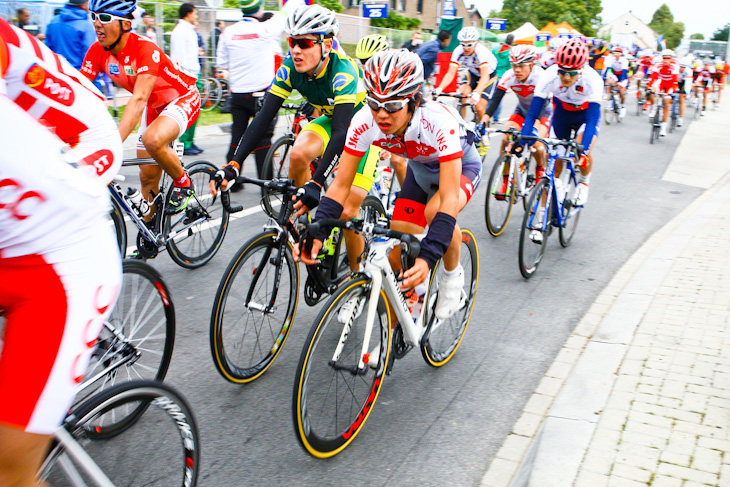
[(153, 142), (298, 158)]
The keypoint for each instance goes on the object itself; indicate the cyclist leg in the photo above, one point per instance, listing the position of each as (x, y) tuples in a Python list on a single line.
[(309, 145)]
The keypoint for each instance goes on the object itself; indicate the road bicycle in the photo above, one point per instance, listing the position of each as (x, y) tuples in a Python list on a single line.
[(550, 204), (674, 113), (642, 95), (656, 118), (214, 92), (518, 165), (354, 341), (191, 236), (137, 339), (612, 106), (256, 300), (162, 449)]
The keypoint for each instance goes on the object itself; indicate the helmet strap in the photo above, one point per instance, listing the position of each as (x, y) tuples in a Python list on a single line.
[(321, 61), (121, 34)]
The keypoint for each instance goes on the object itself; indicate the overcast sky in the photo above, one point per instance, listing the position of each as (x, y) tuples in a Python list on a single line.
[(701, 16)]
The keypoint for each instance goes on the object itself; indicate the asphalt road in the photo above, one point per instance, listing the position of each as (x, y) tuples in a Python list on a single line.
[(429, 426)]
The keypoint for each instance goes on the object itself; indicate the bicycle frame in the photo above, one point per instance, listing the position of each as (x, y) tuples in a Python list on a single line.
[(553, 202), (72, 448)]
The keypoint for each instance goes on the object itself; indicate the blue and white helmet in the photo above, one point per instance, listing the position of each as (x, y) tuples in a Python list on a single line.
[(120, 8), (312, 19)]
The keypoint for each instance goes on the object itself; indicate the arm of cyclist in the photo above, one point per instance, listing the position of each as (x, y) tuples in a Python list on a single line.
[(484, 73), (493, 104), (535, 108), (249, 141), (136, 105), (341, 118)]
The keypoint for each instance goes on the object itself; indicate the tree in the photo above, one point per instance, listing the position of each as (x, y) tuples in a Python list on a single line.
[(663, 23), (721, 34), (700, 37), (581, 14), (334, 5), (395, 21)]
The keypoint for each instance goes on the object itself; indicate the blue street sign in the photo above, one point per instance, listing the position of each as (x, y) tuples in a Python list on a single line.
[(449, 8), (495, 24), (565, 35), (375, 10), (542, 37)]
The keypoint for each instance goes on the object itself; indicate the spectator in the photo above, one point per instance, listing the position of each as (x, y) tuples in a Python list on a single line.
[(147, 27), (215, 36), (246, 50), (429, 51), (501, 52), (184, 51), (70, 33), (24, 23), (413, 44)]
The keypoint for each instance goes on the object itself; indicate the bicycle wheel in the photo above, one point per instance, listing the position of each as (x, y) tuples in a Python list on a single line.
[(334, 393), (442, 338), (196, 233), (498, 205), (245, 337), (212, 88), (607, 110), (120, 228), (571, 214), (162, 450), (276, 165), (529, 173), (531, 252), (136, 341), (372, 208)]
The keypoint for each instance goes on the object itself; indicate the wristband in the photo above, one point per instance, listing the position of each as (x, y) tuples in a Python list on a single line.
[(438, 238), (328, 208)]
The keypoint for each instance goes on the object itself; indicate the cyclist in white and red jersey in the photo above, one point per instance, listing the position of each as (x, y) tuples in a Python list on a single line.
[(444, 169), (522, 79), (616, 73), (46, 86), (577, 91), (60, 273), (703, 82), (684, 84), (165, 100), (663, 80)]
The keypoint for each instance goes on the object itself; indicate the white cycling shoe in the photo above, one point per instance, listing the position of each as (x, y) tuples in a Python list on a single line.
[(663, 130), (450, 294), (581, 194), (350, 309)]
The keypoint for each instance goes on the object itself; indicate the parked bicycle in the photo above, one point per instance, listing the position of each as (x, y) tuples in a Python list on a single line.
[(350, 349)]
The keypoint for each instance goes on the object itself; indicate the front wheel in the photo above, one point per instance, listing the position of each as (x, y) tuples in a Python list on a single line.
[(442, 338), (534, 233), (254, 308), (195, 234), (500, 196), (339, 373), (276, 165), (571, 213)]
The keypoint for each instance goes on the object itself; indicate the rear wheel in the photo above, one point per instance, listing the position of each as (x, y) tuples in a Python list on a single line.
[(498, 205), (571, 213), (276, 165), (120, 227), (210, 94), (531, 249)]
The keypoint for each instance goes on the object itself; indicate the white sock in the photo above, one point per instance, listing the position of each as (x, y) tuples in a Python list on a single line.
[(451, 272), (584, 179)]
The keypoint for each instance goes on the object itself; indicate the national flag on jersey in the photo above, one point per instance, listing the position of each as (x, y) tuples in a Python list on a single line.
[(662, 43)]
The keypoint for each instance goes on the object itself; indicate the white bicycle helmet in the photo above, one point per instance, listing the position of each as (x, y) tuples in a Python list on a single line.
[(668, 52), (395, 73), (468, 34), (312, 19), (522, 54), (556, 42)]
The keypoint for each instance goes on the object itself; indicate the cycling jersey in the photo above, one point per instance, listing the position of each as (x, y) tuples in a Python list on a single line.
[(54, 93), (474, 62), (645, 64), (340, 82), (524, 91), (619, 67), (705, 73), (60, 272), (667, 76), (547, 59)]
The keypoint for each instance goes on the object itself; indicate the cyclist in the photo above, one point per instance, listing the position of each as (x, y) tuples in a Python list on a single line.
[(703, 81), (60, 273), (522, 79), (577, 92), (444, 169), (684, 85), (616, 73), (52, 91), (480, 64), (721, 71), (165, 100), (664, 79)]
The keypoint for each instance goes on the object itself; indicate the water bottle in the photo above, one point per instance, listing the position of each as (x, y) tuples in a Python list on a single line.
[(415, 301), (559, 189), (386, 175), (135, 197)]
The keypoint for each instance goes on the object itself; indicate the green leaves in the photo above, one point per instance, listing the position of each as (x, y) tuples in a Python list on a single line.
[(663, 23), (581, 14)]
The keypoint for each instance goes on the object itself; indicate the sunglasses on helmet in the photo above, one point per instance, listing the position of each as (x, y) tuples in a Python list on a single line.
[(563, 72), (105, 18), (391, 106), (303, 43)]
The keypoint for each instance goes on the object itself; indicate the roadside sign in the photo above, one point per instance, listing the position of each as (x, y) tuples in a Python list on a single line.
[(449, 8), (375, 10), (542, 37), (495, 24)]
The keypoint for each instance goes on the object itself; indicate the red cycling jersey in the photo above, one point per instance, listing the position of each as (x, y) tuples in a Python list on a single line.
[(667, 75), (139, 56)]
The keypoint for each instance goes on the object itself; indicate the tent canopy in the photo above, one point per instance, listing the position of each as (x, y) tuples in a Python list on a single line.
[(566, 28), (526, 31)]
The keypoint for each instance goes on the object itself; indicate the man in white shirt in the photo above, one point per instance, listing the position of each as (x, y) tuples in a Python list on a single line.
[(184, 51)]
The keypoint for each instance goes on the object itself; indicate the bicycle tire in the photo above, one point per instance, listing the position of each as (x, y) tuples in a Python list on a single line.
[(276, 165), (168, 429), (266, 343), (531, 253), (212, 87), (607, 111), (196, 245), (571, 214), (120, 227), (496, 211), (442, 338), (372, 208), (142, 326), (325, 434), (530, 175)]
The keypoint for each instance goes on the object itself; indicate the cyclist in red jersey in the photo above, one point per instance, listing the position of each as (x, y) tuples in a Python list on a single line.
[(664, 78), (165, 100)]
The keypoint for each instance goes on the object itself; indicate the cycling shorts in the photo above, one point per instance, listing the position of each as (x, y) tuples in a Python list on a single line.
[(684, 87), (620, 80), (422, 182), (473, 81), (368, 167), (564, 122), (546, 114), (100, 150), (55, 305), (183, 110)]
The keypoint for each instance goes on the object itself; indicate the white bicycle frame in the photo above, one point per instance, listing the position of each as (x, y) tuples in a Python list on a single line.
[(73, 450), (521, 176)]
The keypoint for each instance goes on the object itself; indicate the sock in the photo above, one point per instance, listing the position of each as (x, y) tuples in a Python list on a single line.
[(451, 272), (183, 181), (585, 179)]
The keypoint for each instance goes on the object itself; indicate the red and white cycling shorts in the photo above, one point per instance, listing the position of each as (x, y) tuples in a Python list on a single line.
[(54, 305), (183, 110)]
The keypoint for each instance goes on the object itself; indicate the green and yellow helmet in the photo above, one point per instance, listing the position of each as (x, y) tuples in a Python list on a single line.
[(369, 45)]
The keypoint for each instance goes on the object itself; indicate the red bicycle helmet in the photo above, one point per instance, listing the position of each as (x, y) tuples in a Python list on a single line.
[(571, 55), (522, 54)]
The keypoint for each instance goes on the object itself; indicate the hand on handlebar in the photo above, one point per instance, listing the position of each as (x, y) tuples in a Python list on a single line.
[(223, 177), (306, 198), (414, 276)]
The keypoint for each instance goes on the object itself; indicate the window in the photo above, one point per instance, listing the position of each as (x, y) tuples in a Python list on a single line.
[(402, 5), (353, 3), (392, 4), (419, 7)]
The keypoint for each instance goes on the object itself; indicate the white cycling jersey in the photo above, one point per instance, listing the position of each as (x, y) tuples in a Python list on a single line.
[(480, 57), (43, 83), (588, 89), (524, 90), (547, 59), (618, 66)]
